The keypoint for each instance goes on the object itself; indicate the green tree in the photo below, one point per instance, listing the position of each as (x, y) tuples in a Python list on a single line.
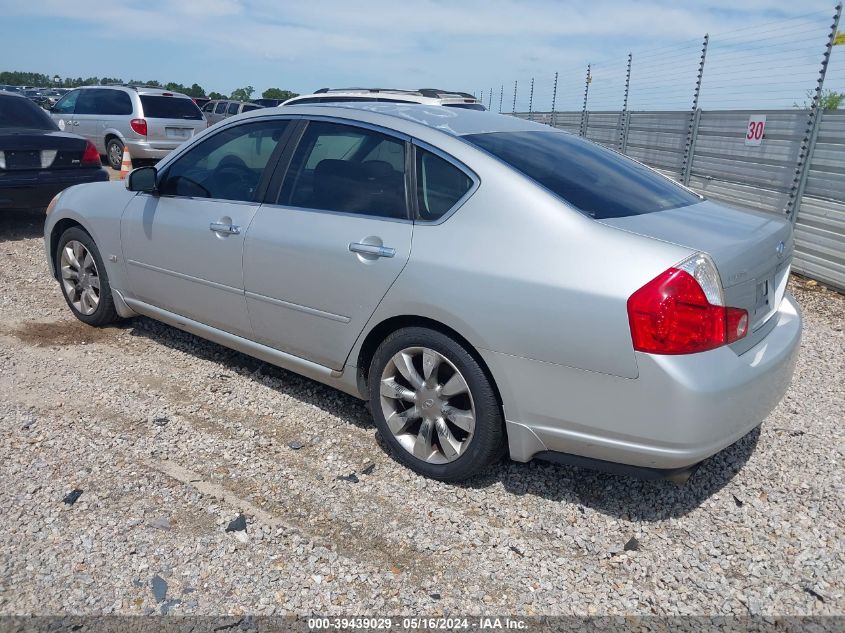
[(830, 100), (195, 91), (216, 95), (242, 94), (278, 93)]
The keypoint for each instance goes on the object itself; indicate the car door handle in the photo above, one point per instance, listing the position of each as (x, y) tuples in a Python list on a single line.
[(74, 122), (372, 249), (222, 227)]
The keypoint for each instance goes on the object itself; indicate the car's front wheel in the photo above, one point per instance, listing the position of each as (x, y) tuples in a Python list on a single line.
[(83, 277), (434, 405)]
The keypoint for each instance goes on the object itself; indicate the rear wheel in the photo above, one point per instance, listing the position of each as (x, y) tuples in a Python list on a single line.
[(83, 277), (114, 153), (434, 405)]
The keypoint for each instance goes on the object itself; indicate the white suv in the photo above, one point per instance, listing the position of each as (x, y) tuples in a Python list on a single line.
[(427, 96)]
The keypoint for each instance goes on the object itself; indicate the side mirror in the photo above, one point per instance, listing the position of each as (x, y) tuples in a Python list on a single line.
[(143, 180)]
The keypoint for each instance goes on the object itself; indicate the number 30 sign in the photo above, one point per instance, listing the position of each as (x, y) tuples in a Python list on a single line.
[(756, 129)]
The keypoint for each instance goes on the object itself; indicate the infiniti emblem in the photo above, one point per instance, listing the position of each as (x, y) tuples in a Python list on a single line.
[(428, 404), (779, 248)]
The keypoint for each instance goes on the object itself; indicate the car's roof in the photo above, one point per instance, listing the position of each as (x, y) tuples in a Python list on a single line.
[(141, 90), (8, 93), (452, 121)]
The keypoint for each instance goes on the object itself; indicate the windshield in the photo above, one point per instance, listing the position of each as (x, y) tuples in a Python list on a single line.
[(170, 108), (23, 113), (597, 181)]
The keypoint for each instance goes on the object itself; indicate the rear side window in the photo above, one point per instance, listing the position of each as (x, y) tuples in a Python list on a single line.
[(156, 107), (334, 169), (595, 180), (440, 185), (17, 112), (233, 108), (208, 107), (87, 102), (221, 108), (114, 102)]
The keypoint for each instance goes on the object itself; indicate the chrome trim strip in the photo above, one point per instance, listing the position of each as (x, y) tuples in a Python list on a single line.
[(173, 273), (299, 308)]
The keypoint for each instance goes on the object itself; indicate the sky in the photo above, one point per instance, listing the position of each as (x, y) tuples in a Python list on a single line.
[(761, 52)]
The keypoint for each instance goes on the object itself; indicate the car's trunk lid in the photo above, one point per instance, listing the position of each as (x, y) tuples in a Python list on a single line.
[(39, 149), (751, 250)]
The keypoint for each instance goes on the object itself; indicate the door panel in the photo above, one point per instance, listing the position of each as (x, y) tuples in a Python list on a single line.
[(174, 260), (308, 294)]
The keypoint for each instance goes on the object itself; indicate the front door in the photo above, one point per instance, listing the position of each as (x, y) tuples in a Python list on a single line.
[(317, 263), (183, 248)]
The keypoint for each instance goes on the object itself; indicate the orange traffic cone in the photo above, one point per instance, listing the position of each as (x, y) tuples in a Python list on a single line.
[(126, 163)]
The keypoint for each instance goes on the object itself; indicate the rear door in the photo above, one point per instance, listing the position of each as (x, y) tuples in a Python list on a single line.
[(171, 120), (87, 118), (321, 255), (184, 247)]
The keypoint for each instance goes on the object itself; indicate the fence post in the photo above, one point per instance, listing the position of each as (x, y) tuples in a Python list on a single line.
[(514, 96), (490, 99), (583, 131), (695, 117), (554, 100), (623, 116), (531, 101), (501, 98), (808, 144)]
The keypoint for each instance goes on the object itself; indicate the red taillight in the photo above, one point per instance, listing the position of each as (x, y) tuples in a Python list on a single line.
[(671, 315), (139, 126), (90, 157)]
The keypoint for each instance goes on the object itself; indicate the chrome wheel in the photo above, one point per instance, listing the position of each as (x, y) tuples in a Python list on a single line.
[(427, 405), (80, 278), (115, 155)]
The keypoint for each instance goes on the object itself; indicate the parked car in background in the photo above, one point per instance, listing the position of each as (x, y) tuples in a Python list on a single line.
[(36, 159), (200, 101), (487, 283), (7, 88), (52, 95), (36, 96), (268, 103), (219, 109), (425, 96), (151, 122)]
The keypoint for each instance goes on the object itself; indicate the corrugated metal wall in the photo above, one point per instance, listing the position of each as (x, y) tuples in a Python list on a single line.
[(724, 168)]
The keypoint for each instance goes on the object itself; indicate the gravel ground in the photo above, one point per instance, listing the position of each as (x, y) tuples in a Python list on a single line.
[(170, 438)]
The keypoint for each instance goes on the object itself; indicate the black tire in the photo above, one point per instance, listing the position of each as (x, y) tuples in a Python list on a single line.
[(114, 148), (488, 440), (105, 312)]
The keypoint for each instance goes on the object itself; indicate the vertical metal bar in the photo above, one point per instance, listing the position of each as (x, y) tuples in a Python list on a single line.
[(514, 97), (554, 101), (808, 144), (481, 96), (501, 98), (583, 131), (623, 116), (490, 99), (695, 117), (531, 101)]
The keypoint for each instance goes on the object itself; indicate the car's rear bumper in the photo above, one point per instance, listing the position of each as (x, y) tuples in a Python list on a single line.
[(677, 412), (147, 150), (34, 189)]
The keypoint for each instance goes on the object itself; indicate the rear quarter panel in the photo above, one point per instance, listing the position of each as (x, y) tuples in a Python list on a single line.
[(516, 271)]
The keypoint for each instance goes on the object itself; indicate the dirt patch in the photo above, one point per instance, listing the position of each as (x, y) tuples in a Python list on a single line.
[(59, 333)]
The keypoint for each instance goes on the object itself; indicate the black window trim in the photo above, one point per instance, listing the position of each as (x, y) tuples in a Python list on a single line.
[(269, 168), (271, 198), (476, 183)]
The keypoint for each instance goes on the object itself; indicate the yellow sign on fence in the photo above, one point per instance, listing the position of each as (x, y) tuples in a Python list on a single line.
[(839, 38)]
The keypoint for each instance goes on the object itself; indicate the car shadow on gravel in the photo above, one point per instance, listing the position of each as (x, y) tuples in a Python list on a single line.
[(21, 224), (619, 496)]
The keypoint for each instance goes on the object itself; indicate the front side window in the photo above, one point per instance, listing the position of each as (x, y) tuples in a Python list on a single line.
[(233, 108), (343, 168), (221, 108), (440, 185), (66, 104), (599, 182), (227, 166)]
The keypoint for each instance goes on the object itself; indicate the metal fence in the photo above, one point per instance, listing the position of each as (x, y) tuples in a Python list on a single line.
[(766, 156)]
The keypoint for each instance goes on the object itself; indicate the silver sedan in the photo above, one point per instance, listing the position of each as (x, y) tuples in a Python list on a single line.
[(490, 285)]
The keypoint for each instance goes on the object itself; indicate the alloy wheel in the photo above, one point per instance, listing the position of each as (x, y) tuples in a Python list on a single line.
[(427, 404), (80, 278)]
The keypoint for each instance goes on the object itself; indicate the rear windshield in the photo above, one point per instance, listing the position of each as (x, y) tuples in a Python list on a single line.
[(465, 106), (23, 113), (169, 108), (592, 178)]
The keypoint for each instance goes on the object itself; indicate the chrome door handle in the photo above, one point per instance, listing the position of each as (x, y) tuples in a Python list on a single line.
[(372, 249), (74, 122), (221, 227)]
